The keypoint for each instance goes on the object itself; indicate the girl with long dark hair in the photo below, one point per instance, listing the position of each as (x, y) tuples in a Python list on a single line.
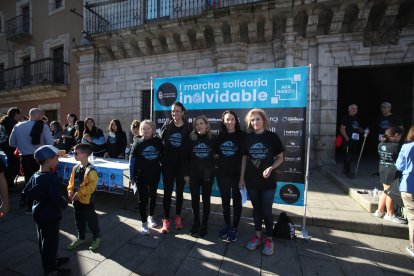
[(95, 137), (116, 142)]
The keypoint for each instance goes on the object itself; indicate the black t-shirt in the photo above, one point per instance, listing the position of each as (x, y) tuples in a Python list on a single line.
[(385, 122), (147, 154), (229, 148), (69, 142), (116, 144), (388, 152), (199, 154), (351, 124), (174, 139), (261, 150)]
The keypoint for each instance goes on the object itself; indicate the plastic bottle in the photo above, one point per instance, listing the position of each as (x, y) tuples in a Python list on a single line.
[(375, 194)]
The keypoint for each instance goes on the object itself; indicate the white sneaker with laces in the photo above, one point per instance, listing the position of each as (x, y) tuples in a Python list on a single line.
[(151, 222), (394, 218), (144, 228), (378, 214)]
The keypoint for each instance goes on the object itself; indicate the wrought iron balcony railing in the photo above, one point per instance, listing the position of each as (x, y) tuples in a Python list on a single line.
[(112, 15), (43, 71), (18, 27)]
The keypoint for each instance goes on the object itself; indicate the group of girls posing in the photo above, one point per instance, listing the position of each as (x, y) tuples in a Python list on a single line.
[(187, 154)]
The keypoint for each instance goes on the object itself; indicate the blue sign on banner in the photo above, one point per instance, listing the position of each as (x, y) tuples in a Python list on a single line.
[(281, 92)]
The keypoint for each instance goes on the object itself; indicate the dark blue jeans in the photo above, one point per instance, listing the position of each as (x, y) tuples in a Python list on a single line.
[(206, 186), (262, 201)]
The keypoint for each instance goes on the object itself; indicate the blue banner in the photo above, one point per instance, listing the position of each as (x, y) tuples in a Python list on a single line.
[(281, 92)]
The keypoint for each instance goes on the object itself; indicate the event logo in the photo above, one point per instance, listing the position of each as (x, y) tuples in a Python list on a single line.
[(296, 133), (274, 119), (228, 148), (286, 89), (292, 120), (292, 170), (258, 151), (289, 193), (292, 145), (167, 94), (201, 151), (150, 153), (175, 140)]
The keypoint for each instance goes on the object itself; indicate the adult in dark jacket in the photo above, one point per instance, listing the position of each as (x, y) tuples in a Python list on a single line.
[(45, 190), (199, 165), (116, 142), (174, 133), (8, 122)]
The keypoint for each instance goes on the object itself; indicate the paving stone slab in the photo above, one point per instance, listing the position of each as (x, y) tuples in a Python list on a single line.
[(200, 267), (285, 261), (318, 266), (17, 253)]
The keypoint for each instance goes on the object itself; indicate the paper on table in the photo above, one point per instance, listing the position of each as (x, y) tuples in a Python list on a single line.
[(243, 193)]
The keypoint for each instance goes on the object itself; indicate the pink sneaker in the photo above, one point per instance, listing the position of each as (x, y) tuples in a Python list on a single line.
[(165, 226), (254, 243), (178, 222)]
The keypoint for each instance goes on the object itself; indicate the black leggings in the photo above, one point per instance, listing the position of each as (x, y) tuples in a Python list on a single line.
[(262, 201), (229, 187), (30, 166), (171, 173), (147, 191), (206, 185), (85, 213)]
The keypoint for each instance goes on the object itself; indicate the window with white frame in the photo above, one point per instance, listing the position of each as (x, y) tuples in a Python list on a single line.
[(56, 6)]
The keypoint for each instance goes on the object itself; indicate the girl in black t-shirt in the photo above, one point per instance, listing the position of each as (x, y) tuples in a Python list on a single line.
[(116, 141), (229, 150), (262, 154), (95, 137), (68, 135), (199, 163), (174, 133), (388, 150), (145, 171)]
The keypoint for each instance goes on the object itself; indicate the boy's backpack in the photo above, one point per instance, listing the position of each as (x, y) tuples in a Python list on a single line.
[(284, 228)]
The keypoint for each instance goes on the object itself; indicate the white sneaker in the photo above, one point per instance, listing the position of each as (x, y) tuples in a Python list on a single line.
[(378, 214), (151, 222), (395, 219), (410, 250), (144, 228)]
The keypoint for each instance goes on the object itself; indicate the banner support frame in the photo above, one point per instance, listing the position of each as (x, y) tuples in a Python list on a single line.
[(304, 232), (152, 99)]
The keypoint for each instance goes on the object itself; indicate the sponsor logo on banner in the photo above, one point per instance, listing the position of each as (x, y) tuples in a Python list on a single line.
[(292, 145), (292, 120), (292, 170), (293, 159), (274, 119), (295, 133), (289, 193), (167, 94), (286, 89)]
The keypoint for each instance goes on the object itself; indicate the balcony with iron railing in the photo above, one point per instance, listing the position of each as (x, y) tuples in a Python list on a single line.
[(18, 28), (45, 71), (114, 15)]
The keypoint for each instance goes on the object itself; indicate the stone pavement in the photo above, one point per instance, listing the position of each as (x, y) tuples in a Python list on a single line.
[(344, 239)]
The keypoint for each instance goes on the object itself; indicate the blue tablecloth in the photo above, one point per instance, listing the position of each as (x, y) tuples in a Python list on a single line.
[(113, 173)]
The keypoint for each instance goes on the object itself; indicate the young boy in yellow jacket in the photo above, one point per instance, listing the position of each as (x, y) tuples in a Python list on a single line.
[(81, 188)]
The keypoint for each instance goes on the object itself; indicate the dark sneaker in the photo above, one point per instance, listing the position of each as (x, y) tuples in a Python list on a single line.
[(203, 231), (75, 244), (224, 233), (233, 233), (194, 229), (95, 244)]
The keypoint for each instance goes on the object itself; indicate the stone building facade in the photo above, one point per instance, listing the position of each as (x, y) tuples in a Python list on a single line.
[(117, 61)]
